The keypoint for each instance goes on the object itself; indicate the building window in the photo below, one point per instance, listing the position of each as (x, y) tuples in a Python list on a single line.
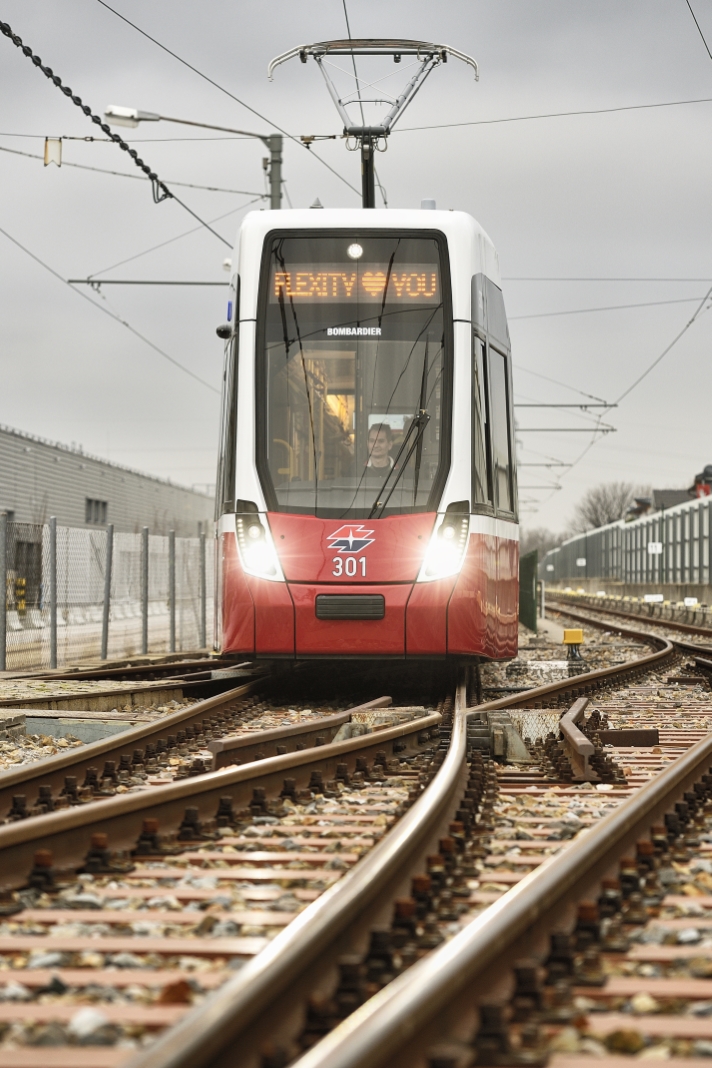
[(95, 511)]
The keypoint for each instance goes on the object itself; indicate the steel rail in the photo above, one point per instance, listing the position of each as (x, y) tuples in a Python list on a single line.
[(128, 669), (590, 680), (578, 747), (262, 1002), (436, 998), (68, 832), (160, 690), (658, 621), (270, 990), (51, 772), (256, 745), (690, 648)]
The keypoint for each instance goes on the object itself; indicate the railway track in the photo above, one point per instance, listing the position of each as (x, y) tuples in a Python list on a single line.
[(595, 613), (388, 852), (232, 828), (644, 613), (158, 911), (547, 971)]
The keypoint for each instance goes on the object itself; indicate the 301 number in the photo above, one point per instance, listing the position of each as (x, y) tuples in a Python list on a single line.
[(348, 566)]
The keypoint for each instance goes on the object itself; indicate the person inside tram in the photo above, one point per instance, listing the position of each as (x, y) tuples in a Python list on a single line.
[(380, 440)]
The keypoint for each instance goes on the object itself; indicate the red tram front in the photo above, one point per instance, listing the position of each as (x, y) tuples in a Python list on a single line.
[(367, 485)]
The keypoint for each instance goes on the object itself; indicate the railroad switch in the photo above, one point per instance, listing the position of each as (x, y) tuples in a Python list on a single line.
[(495, 732)]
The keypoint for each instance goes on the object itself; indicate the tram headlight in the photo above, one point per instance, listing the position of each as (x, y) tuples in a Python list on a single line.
[(445, 554), (258, 555)]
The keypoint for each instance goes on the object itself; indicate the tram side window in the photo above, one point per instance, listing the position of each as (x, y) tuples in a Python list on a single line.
[(481, 480), (500, 432)]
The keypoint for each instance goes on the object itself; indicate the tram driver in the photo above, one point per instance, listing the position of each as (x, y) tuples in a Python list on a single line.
[(380, 440)]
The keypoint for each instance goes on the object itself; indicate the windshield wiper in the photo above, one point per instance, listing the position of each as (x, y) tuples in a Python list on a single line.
[(416, 431)]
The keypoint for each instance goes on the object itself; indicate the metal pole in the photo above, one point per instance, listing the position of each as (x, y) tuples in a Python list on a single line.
[(203, 594), (107, 591), (3, 591), (172, 587), (274, 143), (144, 590), (368, 186), (53, 591), (663, 538)]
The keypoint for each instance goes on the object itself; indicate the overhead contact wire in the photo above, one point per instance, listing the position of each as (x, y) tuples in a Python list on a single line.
[(227, 92), (112, 315), (160, 189)]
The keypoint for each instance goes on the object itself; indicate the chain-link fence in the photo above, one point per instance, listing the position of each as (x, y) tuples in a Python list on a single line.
[(75, 594)]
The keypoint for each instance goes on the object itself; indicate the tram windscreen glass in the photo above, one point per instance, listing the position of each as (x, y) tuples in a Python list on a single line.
[(352, 348)]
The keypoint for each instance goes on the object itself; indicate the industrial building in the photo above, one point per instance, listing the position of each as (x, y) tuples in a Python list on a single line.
[(40, 478)]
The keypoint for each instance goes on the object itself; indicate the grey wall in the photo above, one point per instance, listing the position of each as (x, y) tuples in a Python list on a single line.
[(39, 479)]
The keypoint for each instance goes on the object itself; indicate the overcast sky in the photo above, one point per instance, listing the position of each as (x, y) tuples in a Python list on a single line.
[(608, 196)]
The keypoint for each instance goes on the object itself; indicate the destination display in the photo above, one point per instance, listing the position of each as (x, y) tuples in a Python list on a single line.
[(417, 283)]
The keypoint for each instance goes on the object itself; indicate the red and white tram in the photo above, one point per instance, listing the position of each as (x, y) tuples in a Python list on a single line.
[(367, 491)]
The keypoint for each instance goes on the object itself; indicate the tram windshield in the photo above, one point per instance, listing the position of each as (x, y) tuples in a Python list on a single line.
[(353, 374)]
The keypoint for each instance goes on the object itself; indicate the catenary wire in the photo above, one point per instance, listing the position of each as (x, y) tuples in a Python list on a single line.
[(227, 92), (556, 382), (666, 350), (136, 177), (112, 315), (129, 140), (609, 307), (596, 437), (170, 240), (160, 189), (699, 28), (554, 114), (541, 278)]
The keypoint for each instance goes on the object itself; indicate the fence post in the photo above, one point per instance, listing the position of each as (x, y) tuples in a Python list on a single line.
[(172, 588), (3, 591), (203, 594), (53, 591), (144, 590), (107, 591)]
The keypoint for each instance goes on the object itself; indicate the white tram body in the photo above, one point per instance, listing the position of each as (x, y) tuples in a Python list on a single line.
[(367, 497)]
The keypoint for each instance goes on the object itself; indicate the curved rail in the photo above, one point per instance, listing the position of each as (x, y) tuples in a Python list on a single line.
[(591, 680), (245, 1008), (397, 1026), (262, 1002), (267, 993)]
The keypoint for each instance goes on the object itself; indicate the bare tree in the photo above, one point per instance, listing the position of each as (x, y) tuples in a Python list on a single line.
[(603, 504), (538, 538)]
